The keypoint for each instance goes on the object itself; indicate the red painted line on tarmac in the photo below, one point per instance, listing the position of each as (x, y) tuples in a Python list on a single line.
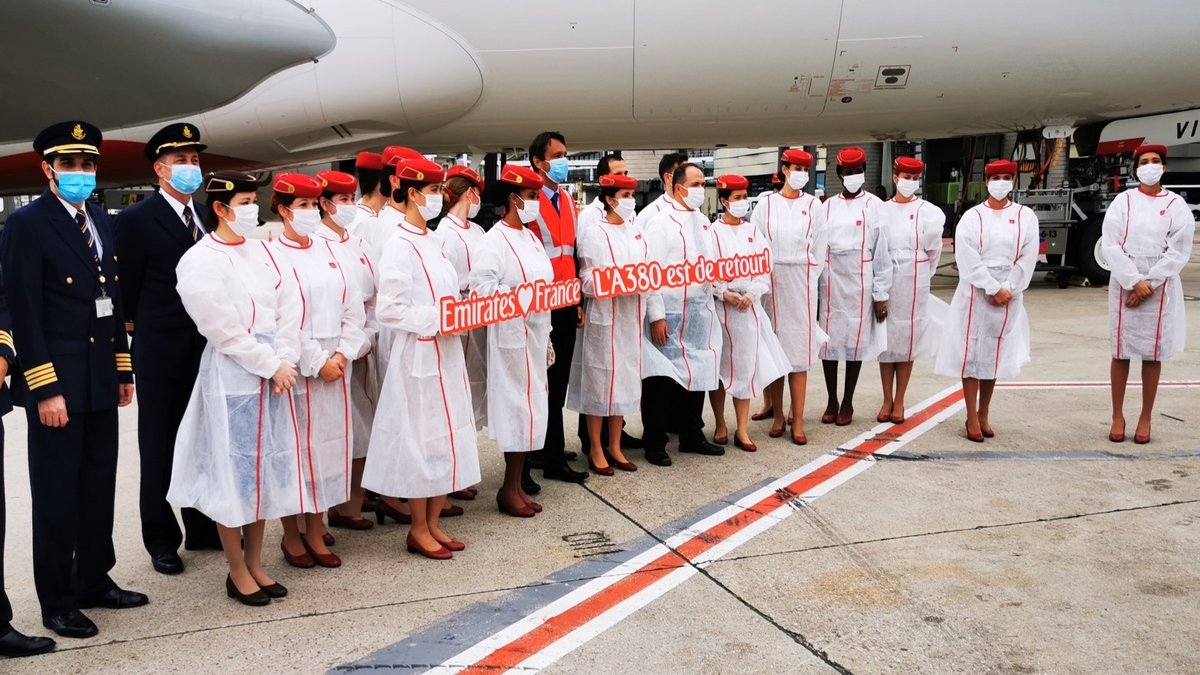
[(558, 626)]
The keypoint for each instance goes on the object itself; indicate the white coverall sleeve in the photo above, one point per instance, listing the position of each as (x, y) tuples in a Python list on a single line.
[(761, 284), (394, 307), (1112, 243), (931, 241), (488, 269), (353, 341), (967, 245), (881, 282), (312, 355), (1027, 255), (592, 252), (217, 318), (288, 315), (1180, 235), (657, 251)]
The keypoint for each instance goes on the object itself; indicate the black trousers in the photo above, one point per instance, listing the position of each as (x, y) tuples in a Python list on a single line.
[(563, 323), (161, 404), (665, 400), (5, 606), (72, 480)]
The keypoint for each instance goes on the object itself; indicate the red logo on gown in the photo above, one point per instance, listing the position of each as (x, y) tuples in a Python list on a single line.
[(333, 265), (1162, 213), (1011, 221), (858, 223)]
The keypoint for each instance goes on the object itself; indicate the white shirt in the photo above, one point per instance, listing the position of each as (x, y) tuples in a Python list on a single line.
[(73, 211), (180, 206)]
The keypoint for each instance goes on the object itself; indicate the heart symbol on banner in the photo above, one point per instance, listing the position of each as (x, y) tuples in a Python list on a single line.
[(525, 298)]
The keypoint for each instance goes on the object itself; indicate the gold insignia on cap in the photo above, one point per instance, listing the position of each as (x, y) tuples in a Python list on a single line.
[(187, 131), (228, 185), (420, 175), (77, 133), (520, 179), (290, 188), (324, 183)]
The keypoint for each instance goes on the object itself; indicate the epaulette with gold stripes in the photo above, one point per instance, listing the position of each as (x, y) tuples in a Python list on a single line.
[(124, 362), (40, 376)]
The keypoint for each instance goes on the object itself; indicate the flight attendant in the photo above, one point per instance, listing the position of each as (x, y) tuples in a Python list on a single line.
[(986, 334), (751, 355), (13, 643), (423, 445), (519, 350), (459, 235), (681, 351), (238, 448), (331, 336), (793, 224), (68, 327), (339, 212), (152, 235), (555, 226), (1148, 233), (855, 284), (606, 376), (913, 228)]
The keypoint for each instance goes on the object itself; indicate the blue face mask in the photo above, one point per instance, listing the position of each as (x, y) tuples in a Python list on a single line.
[(186, 178), (558, 169), (76, 186)]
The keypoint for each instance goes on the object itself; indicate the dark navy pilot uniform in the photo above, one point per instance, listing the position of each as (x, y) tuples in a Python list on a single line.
[(7, 351), (151, 237), (67, 346)]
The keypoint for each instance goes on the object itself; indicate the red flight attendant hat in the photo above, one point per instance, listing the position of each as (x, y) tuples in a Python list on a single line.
[(369, 160), (614, 180), (1000, 166), (466, 172), (297, 184), (338, 182), (420, 170), (798, 156), (851, 157), (732, 181), (908, 165), (521, 176)]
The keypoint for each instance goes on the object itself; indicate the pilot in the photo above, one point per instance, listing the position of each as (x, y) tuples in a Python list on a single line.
[(75, 370), (986, 333), (152, 236), (1147, 237)]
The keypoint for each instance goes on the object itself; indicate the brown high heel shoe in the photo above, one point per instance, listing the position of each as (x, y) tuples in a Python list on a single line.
[(338, 520), (600, 470), (1118, 438), (1142, 439), (624, 466), (515, 512), (974, 438), (383, 511), (760, 416), (303, 561), (323, 559), (747, 446), (440, 553), (466, 494)]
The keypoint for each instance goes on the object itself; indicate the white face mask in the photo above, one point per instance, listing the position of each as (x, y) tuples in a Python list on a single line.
[(797, 179), (245, 219), (999, 189), (474, 210), (306, 221), (1149, 174), (344, 214), (528, 211), (626, 207), (694, 198), (431, 208), (907, 187), (741, 207), (854, 182)]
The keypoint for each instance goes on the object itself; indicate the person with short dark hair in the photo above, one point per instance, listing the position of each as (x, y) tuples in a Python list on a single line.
[(68, 327), (751, 356), (238, 448), (682, 346), (594, 212), (152, 236), (332, 335), (854, 285), (423, 444), (374, 187), (666, 170), (1147, 239), (555, 226)]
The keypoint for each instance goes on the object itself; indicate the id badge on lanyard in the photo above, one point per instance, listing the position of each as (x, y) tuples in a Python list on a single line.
[(104, 305)]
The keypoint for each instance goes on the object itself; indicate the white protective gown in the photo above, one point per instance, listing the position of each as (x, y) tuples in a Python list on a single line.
[(606, 370), (1147, 239), (915, 318), (993, 249), (858, 273), (423, 443), (458, 241), (654, 208), (590, 215), (332, 320), (795, 231), (385, 228), (517, 390), (692, 355), (237, 454), (751, 355), (365, 375)]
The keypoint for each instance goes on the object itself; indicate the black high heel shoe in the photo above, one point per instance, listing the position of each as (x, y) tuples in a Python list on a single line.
[(258, 598), (383, 511)]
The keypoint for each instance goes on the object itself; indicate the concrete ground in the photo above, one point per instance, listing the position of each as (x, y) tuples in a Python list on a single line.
[(1047, 549)]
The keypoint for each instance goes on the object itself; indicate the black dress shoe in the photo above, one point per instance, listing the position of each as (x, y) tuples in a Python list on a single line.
[(202, 545), (563, 472), (658, 457), (70, 623), (167, 563), (630, 442), (704, 448), (13, 644), (258, 598), (275, 590), (114, 598)]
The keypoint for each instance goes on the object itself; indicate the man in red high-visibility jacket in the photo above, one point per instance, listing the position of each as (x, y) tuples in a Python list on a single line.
[(555, 225)]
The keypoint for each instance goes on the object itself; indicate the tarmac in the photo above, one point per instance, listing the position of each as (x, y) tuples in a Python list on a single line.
[(874, 548)]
